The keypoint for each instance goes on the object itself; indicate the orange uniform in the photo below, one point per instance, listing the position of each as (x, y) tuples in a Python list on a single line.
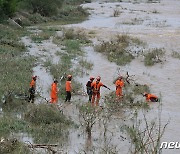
[(54, 92), (119, 84), (96, 92), (151, 97), (68, 86), (32, 84)]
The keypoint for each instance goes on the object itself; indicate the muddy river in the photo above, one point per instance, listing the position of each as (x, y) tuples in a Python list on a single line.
[(158, 24)]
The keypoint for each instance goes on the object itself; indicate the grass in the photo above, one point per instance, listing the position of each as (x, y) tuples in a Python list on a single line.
[(37, 115), (132, 99), (86, 64), (154, 56), (76, 35), (117, 50), (13, 146), (9, 124), (47, 123), (175, 54), (16, 68)]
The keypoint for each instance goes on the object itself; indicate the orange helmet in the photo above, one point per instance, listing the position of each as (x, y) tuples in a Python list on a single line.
[(98, 78), (91, 78), (69, 76)]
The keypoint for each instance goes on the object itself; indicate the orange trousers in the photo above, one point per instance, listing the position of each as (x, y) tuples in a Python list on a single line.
[(54, 100), (119, 92), (97, 97)]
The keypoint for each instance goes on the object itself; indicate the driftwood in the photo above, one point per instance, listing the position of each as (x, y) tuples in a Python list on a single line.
[(15, 23), (44, 146)]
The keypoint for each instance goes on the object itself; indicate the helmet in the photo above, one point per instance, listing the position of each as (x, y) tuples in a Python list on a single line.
[(69, 76), (120, 77), (98, 78), (55, 81), (34, 77), (145, 94), (91, 78)]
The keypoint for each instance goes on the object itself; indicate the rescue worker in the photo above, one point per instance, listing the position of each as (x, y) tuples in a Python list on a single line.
[(32, 89), (68, 88), (119, 84), (54, 92), (96, 90), (151, 97), (89, 88)]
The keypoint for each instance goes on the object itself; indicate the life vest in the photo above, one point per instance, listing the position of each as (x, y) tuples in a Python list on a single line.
[(96, 87), (68, 86)]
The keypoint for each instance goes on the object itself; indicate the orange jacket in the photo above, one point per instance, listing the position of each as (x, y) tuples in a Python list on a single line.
[(32, 84), (96, 86), (119, 84), (54, 90), (149, 96), (68, 86)]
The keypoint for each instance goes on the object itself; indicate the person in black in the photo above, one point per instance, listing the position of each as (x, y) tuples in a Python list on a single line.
[(32, 89), (89, 88)]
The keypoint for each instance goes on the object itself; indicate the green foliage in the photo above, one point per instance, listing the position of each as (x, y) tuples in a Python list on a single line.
[(116, 50), (44, 7), (140, 89), (154, 56), (45, 114), (16, 70), (71, 34), (8, 8), (13, 146), (85, 64), (9, 124), (47, 123), (175, 54), (72, 14)]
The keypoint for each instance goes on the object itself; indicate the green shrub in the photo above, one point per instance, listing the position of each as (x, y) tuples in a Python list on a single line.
[(45, 114), (43, 7), (116, 51), (9, 125), (175, 54), (8, 8), (154, 56), (13, 146)]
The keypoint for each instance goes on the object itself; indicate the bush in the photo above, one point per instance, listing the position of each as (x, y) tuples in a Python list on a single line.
[(44, 7), (9, 125), (176, 54), (116, 50), (8, 8), (45, 114), (154, 56), (13, 146)]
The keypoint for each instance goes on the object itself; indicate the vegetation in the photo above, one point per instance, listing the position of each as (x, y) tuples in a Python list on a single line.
[(16, 66), (117, 51), (154, 56), (146, 135), (13, 146), (47, 129), (175, 55), (132, 98), (88, 114)]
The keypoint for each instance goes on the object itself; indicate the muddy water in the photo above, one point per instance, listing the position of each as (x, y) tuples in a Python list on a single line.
[(158, 30), (43, 51)]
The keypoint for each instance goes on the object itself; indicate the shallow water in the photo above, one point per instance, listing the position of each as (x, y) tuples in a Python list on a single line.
[(158, 30)]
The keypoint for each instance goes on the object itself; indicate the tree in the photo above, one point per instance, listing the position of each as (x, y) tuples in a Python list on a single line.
[(44, 7), (8, 8)]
